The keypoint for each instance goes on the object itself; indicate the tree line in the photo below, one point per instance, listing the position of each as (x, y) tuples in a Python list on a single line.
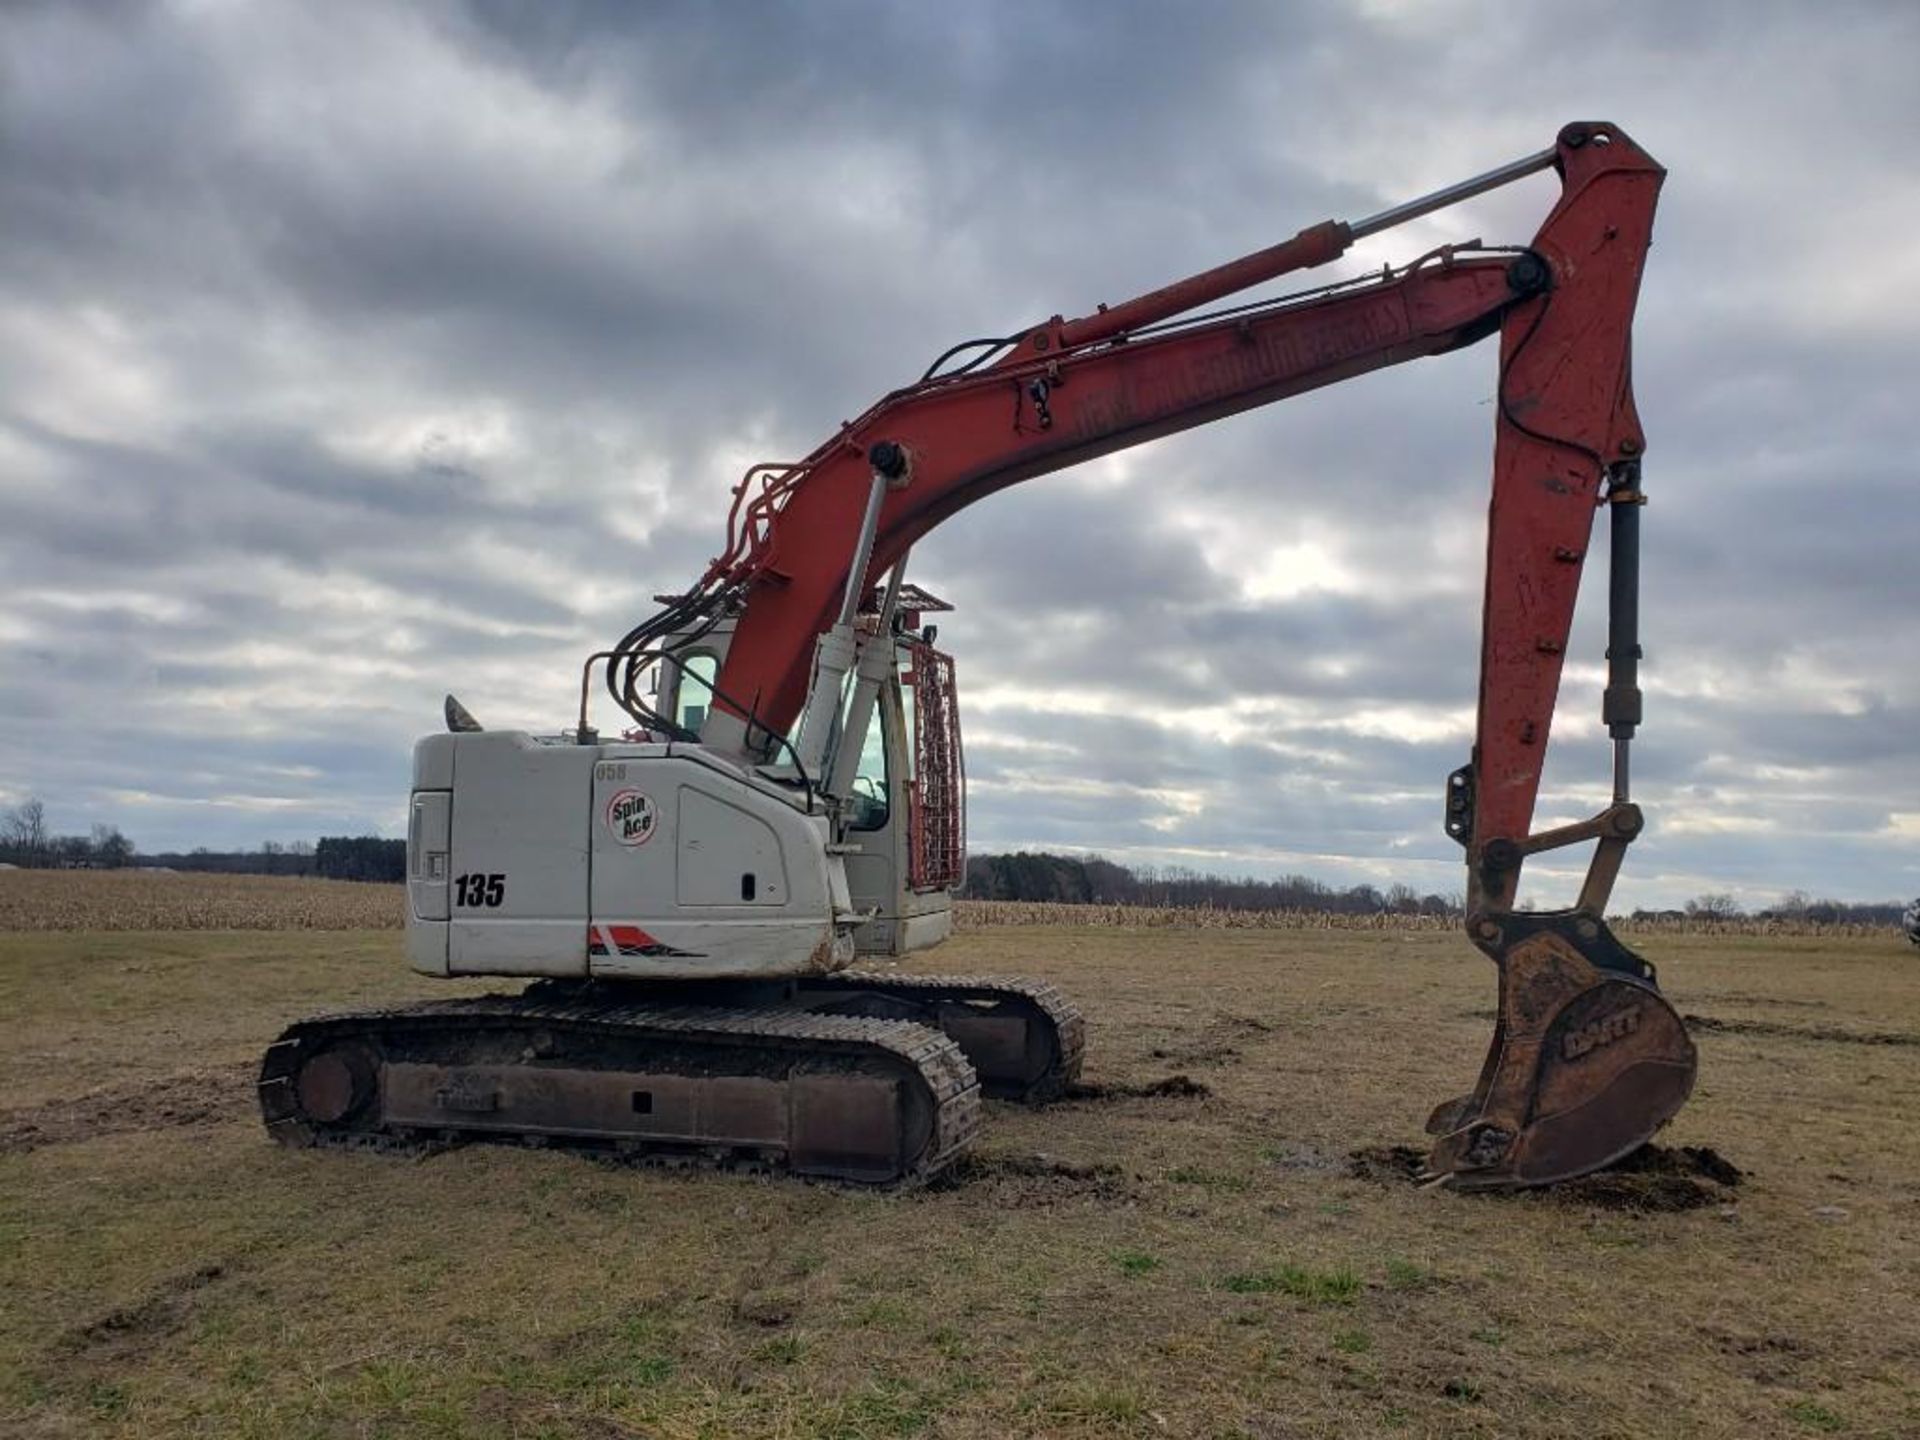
[(1795, 905), (334, 857), (1093, 880), (27, 842)]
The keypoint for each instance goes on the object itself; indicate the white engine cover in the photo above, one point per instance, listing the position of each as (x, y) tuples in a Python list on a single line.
[(530, 856)]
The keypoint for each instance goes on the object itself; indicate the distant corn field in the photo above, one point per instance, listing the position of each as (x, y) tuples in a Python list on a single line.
[(166, 900), (1747, 925), (982, 914)]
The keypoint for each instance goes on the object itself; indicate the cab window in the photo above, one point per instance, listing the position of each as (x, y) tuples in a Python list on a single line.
[(867, 806), (907, 695), (694, 697)]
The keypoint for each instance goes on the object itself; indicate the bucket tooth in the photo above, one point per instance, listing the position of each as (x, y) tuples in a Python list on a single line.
[(1450, 1115)]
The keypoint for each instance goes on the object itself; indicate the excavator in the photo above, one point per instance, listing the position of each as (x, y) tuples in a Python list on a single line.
[(690, 898)]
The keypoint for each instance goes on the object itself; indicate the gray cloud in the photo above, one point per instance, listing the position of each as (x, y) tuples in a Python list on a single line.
[(354, 354)]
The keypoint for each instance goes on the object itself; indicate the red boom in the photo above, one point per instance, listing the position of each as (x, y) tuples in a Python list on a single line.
[(1566, 409)]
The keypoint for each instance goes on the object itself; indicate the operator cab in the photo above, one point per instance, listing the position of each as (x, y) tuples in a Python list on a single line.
[(904, 819)]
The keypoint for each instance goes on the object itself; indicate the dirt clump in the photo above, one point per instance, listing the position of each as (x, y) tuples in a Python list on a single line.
[(1655, 1180), (1652, 1180), (1387, 1164), (1171, 1087)]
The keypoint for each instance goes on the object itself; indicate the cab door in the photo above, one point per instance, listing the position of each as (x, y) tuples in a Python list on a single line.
[(877, 823), (908, 811)]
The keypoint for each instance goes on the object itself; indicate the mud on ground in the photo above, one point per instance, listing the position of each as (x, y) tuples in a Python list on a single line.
[(1652, 1180), (222, 1094)]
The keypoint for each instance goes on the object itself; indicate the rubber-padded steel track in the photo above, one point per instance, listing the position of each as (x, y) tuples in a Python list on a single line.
[(422, 1076), (1047, 1058)]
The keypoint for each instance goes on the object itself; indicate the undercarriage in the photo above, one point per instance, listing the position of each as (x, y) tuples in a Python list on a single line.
[(863, 1079)]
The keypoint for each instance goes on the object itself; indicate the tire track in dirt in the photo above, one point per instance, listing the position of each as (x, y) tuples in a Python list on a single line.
[(121, 1333), (1172, 1087), (1773, 1029), (1021, 1182), (196, 1097), (1831, 1034)]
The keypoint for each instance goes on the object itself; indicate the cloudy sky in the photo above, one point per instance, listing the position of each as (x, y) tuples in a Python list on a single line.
[(352, 353)]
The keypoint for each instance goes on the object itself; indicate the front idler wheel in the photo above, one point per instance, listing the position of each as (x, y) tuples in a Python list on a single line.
[(336, 1084)]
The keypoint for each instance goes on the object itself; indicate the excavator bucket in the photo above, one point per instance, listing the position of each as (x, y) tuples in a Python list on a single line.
[(1588, 1060)]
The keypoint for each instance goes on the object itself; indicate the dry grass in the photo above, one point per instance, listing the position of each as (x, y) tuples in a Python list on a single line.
[(164, 900), (1145, 1261)]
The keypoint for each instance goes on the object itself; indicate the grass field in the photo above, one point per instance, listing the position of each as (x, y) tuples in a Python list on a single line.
[(1199, 1262)]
